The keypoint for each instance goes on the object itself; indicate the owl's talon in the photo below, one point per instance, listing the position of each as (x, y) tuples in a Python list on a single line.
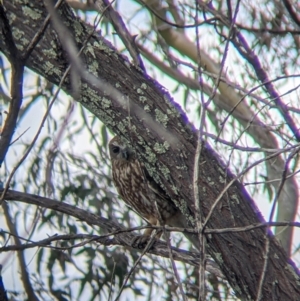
[(140, 241)]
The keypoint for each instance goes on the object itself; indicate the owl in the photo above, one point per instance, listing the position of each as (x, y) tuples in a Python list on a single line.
[(139, 190)]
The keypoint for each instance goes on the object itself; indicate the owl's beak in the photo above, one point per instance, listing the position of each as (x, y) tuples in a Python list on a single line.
[(125, 154)]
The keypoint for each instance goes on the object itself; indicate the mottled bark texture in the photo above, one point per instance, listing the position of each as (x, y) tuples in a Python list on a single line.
[(240, 255)]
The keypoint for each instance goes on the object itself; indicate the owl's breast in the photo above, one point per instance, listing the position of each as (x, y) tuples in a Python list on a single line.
[(139, 193), (132, 187)]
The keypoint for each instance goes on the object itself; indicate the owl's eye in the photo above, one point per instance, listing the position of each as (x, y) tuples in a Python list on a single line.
[(115, 149)]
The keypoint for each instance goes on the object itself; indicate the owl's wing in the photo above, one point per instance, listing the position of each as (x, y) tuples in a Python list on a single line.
[(155, 187), (179, 219)]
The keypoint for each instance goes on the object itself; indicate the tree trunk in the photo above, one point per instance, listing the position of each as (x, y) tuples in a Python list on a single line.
[(144, 113)]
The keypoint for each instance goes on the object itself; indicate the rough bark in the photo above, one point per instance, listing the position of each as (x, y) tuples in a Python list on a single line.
[(240, 255), (289, 196)]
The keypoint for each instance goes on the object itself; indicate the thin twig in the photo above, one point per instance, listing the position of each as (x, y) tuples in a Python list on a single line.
[(100, 238), (170, 253), (50, 157), (43, 120), (269, 30), (272, 181), (193, 84), (259, 295), (35, 137), (242, 148), (21, 256), (39, 34), (262, 75), (122, 31), (290, 9), (17, 66), (146, 249), (101, 85), (242, 46), (19, 137), (172, 229), (196, 24), (199, 146), (199, 214), (252, 120), (297, 146), (159, 248), (111, 282), (174, 268), (230, 34)]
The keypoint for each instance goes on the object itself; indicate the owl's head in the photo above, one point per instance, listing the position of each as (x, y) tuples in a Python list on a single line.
[(118, 150)]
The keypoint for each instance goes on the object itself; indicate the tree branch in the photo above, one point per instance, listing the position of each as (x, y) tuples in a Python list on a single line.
[(122, 237), (121, 29), (291, 11), (16, 88), (24, 274)]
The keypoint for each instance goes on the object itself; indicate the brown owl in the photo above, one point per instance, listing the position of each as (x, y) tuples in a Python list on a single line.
[(139, 190)]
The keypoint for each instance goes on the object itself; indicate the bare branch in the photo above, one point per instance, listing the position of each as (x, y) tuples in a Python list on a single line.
[(267, 246), (297, 147), (17, 65), (91, 238), (21, 257), (121, 235), (35, 40), (291, 11), (146, 249), (122, 31), (252, 58)]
